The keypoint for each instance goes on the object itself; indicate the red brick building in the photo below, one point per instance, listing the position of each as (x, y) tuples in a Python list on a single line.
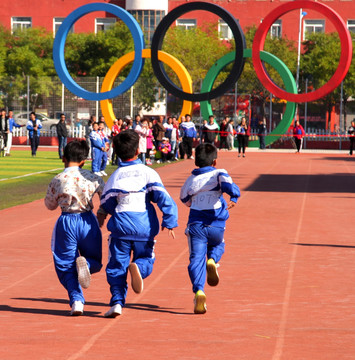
[(50, 14)]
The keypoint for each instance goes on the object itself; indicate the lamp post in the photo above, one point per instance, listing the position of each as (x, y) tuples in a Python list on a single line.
[(302, 14)]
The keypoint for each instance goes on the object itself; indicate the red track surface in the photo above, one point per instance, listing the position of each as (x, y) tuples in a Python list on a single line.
[(287, 277)]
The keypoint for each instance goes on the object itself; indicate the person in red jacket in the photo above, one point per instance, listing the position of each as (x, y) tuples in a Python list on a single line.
[(298, 133)]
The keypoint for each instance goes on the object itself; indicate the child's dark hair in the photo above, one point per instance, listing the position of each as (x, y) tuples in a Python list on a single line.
[(126, 144), (76, 151), (205, 154)]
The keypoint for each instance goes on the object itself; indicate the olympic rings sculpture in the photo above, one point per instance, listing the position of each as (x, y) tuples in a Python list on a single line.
[(277, 64), (238, 57)]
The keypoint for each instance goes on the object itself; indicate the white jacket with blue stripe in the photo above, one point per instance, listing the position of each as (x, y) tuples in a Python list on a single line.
[(203, 193), (128, 196)]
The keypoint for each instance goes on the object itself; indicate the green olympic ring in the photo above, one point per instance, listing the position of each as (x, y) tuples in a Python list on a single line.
[(277, 64)]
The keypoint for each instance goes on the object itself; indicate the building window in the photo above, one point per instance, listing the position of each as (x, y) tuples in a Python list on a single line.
[(56, 24), (313, 26), (186, 23), (225, 33), (102, 24), (149, 20), (276, 29), (351, 25), (20, 23)]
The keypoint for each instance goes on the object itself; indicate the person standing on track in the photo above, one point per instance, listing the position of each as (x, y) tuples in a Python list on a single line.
[(242, 136), (203, 193), (298, 133), (76, 239), (210, 131), (351, 132), (128, 197), (189, 135)]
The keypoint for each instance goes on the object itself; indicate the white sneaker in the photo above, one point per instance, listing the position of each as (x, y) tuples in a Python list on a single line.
[(103, 173), (77, 308), (136, 278), (98, 173), (82, 268), (191, 157), (115, 311)]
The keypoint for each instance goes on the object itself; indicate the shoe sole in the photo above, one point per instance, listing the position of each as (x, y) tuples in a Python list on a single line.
[(136, 278), (76, 313), (212, 274), (82, 268), (112, 315), (200, 304)]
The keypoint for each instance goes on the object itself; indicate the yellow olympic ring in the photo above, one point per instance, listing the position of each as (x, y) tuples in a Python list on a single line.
[(116, 68)]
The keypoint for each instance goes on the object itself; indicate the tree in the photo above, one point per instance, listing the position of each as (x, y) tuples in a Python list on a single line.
[(349, 82), (197, 48), (320, 59), (284, 49), (28, 53), (4, 34)]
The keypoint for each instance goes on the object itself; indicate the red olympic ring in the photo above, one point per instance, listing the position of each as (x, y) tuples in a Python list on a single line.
[(345, 56)]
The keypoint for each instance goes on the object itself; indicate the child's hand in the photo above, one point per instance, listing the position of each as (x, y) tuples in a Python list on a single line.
[(171, 232), (231, 205)]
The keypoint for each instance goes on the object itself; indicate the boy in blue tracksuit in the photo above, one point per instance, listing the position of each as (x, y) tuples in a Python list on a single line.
[(97, 149), (128, 197), (203, 193), (106, 145), (188, 135)]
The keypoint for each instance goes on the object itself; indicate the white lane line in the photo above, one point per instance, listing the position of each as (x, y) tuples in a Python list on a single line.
[(22, 176), (290, 275), (26, 278), (91, 342)]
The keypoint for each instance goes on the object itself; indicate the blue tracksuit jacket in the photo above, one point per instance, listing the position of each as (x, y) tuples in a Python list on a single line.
[(189, 129), (203, 193), (128, 196)]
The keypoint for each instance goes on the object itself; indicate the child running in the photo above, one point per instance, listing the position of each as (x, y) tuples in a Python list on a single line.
[(203, 193), (128, 197), (76, 239)]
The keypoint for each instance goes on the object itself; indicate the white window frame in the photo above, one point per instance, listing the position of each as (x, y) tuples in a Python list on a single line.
[(186, 23), (351, 25), (25, 22), (223, 28), (105, 22), (315, 24), (57, 21), (276, 29)]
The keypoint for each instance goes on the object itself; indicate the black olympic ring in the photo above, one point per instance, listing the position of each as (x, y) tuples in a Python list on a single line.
[(157, 43)]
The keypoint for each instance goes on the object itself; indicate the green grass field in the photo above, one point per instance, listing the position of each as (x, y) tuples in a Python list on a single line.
[(24, 178)]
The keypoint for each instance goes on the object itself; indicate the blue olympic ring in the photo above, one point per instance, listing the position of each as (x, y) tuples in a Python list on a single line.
[(59, 44)]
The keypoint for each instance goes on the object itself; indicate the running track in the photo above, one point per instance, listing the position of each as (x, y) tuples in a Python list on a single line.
[(287, 288)]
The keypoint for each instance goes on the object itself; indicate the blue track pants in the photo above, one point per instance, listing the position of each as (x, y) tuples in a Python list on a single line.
[(96, 155), (74, 235), (119, 259), (205, 242)]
